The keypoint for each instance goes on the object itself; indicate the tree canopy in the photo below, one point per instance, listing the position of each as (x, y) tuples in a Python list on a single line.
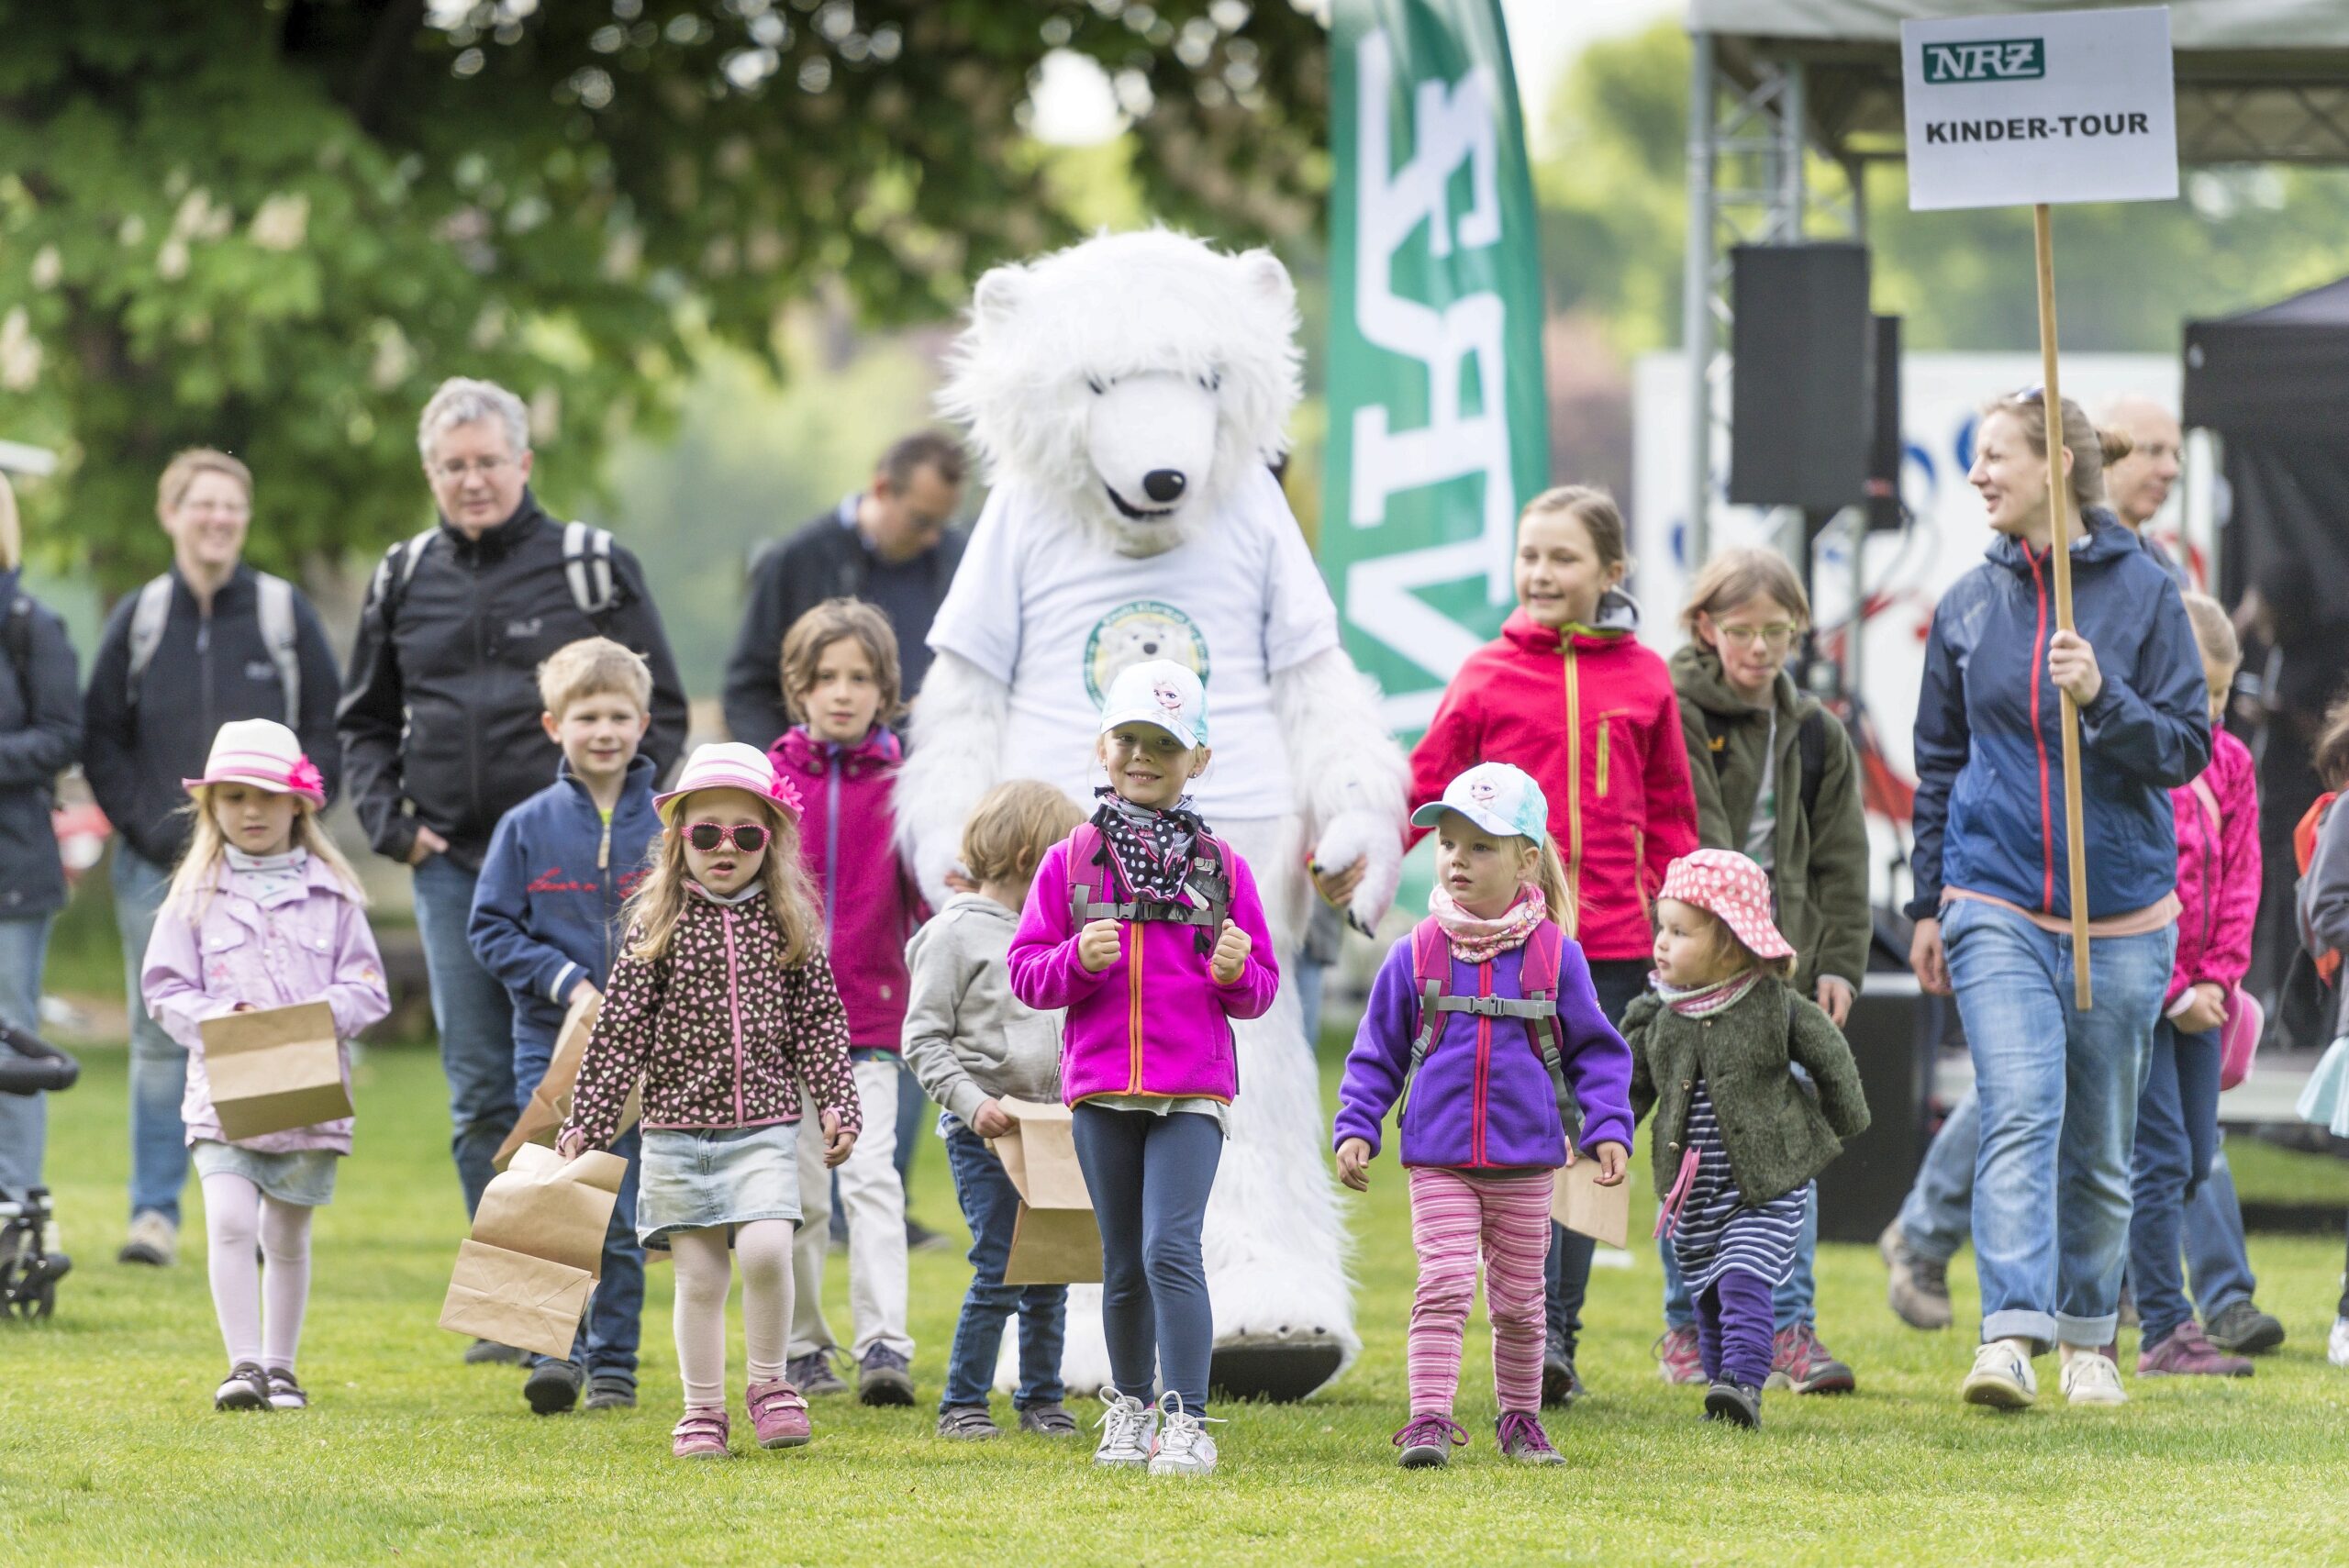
[(273, 226)]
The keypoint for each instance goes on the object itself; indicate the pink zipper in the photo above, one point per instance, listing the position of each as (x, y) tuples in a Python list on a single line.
[(734, 1006)]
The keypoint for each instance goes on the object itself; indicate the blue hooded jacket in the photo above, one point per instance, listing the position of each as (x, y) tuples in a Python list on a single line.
[(546, 910), (1990, 814)]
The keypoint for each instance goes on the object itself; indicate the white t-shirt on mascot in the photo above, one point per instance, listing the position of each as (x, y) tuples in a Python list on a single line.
[(1238, 603)]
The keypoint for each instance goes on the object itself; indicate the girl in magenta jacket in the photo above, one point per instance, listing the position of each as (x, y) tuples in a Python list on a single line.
[(2177, 1111), (1149, 932), (263, 912)]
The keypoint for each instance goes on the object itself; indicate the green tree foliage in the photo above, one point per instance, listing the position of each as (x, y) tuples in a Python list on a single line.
[(274, 225)]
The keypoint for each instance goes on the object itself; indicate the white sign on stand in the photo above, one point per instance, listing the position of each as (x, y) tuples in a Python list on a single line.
[(2053, 107)]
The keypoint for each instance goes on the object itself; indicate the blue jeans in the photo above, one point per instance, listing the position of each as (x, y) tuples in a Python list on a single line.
[(2059, 1093), (474, 1018), (24, 1118), (607, 1338), (2177, 1134), (1149, 1175), (157, 1063), (990, 1205), (2216, 1258), (1794, 1304)]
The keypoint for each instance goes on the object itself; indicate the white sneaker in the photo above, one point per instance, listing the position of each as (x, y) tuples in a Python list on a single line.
[(1183, 1446), (2336, 1344), (2001, 1378), (2091, 1379), (1126, 1428)]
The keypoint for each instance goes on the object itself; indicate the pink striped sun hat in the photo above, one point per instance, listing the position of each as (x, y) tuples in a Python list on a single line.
[(265, 754), (729, 764), (1733, 888)]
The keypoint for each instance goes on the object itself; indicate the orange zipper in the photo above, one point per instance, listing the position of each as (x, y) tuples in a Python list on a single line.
[(1133, 1007), (1574, 777), (1603, 727)]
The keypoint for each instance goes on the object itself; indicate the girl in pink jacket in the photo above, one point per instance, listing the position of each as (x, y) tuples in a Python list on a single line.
[(263, 912), (2177, 1112), (1149, 931)]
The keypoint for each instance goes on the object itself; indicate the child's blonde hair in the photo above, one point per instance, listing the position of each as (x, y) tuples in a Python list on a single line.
[(197, 876), (1011, 827), (831, 622), (594, 667), (2213, 632), (651, 915), (1735, 576), (1728, 945), (1550, 876)]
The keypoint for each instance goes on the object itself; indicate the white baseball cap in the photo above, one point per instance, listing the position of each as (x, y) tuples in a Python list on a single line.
[(1500, 798), (1159, 692)]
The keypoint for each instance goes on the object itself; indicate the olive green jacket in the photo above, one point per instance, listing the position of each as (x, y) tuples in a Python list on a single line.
[(1821, 872), (1777, 1136)]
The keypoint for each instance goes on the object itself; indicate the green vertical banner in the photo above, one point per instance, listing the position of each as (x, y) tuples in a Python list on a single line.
[(1439, 423)]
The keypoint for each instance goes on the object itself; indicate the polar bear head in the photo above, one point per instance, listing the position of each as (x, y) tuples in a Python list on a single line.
[(1135, 377)]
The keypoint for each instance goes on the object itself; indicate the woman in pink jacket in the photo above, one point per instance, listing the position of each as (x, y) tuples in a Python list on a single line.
[(1150, 931), (263, 912), (2177, 1112)]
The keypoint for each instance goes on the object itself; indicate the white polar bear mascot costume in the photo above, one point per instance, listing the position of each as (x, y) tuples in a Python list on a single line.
[(1127, 395)]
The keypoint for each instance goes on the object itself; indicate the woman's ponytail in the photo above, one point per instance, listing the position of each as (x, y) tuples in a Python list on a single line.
[(2115, 444)]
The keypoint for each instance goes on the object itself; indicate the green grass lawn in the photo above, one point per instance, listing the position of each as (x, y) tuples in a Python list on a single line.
[(110, 1451)]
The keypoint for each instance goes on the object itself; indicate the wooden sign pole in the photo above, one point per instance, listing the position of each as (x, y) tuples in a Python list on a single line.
[(2059, 512)]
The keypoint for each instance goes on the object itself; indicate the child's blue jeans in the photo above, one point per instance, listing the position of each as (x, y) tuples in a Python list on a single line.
[(990, 1206), (607, 1339)]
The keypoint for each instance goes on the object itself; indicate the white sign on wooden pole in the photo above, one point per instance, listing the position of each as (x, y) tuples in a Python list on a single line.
[(2053, 107)]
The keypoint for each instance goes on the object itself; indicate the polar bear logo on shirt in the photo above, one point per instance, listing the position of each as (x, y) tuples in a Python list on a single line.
[(1142, 629)]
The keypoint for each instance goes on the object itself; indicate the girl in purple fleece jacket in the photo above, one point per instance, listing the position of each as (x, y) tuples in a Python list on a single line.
[(1151, 933), (1481, 1130)]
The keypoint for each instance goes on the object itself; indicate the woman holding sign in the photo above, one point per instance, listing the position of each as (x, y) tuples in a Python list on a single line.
[(2059, 1084)]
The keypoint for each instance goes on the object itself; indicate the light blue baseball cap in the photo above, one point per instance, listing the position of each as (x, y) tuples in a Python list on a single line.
[(1495, 796), (1159, 692)]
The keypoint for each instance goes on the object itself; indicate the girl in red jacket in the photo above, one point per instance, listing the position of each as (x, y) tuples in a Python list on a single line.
[(1570, 694), (839, 681)]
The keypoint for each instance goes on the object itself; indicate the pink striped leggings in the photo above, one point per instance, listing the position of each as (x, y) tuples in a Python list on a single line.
[(1455, 1214)]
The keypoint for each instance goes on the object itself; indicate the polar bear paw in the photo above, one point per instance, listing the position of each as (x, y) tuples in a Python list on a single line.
[(1368, 837)]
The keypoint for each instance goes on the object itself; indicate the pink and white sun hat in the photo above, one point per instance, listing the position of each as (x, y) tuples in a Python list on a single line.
[(729, 764), (265, 754), (1729, 886)]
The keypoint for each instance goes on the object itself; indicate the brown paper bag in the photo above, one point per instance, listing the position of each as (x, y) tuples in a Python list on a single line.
[(274, 1069), (525, 1277), (549, 1105), (1055, 1240), (1583, 1206)]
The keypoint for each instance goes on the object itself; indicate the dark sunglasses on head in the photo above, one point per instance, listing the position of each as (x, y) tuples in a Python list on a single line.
[(710, 836)]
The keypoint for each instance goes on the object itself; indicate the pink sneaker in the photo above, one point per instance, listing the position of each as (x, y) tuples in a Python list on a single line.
[(2187, 1353), (701, 1435), (1676, 1357), (778, 1413)]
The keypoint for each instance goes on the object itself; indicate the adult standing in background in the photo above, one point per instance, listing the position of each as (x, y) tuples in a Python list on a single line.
[(439, 715), (2139, 485), (889, 545), (41, 728), (209, 641)]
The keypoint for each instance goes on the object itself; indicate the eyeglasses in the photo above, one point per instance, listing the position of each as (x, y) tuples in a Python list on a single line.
[(708, 838), (1779, 634), (456, 468)]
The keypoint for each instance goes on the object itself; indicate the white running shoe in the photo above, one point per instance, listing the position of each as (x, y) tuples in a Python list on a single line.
[(2090, 1378), (1127, 1426), (1183, 1446), (2336, 1344), (2001, 1378)]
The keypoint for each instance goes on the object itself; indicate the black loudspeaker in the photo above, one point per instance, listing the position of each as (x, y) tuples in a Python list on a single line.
[(1799, 414), (1884, 431), (1894, 1029)]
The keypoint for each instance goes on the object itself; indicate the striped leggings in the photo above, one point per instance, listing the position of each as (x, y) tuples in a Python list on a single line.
[(1454, 1216)]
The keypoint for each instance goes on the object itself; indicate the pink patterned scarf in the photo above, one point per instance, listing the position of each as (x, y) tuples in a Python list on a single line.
[(1703, 1000), (1478, 941)]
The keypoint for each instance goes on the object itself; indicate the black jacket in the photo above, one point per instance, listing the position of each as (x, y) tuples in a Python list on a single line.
[(439, 715), (206, 671), (36, 745), (827, 559)]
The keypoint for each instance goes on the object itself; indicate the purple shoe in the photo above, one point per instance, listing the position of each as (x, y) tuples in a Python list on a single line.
[(2187, 1353), (1427, 1441), (701, 1435), (1522, 1439), (778, 1415)]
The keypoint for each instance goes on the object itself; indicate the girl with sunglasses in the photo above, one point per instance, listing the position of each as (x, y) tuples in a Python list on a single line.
[(722, 1002)]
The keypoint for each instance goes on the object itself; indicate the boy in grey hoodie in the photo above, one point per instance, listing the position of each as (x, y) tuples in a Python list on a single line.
[(973, 1043)]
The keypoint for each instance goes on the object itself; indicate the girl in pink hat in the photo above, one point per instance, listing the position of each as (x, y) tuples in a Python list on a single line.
[(722, 1003), (263, 912), (1737, 1139)]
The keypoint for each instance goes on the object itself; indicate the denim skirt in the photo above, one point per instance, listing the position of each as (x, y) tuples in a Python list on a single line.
[(698, 1179), (304, 1177)]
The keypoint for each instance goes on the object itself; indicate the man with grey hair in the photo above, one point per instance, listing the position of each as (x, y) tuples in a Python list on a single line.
[(2138, 484), (439, 717)]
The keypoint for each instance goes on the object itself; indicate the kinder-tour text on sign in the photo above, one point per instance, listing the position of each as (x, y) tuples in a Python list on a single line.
[(2058, 106)]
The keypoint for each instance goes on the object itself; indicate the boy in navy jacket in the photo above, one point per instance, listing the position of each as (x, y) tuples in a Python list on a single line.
[(546, 924)]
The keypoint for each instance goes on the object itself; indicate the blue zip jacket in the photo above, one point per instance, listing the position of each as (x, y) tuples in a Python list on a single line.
[(546, 910), (1990, 814)]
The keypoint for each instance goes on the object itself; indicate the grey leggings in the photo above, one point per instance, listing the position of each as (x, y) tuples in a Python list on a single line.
[(1149, 1175)]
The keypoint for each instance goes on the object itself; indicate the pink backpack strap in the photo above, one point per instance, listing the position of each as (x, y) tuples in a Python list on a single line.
[(2202, 792), (1088, 876)]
